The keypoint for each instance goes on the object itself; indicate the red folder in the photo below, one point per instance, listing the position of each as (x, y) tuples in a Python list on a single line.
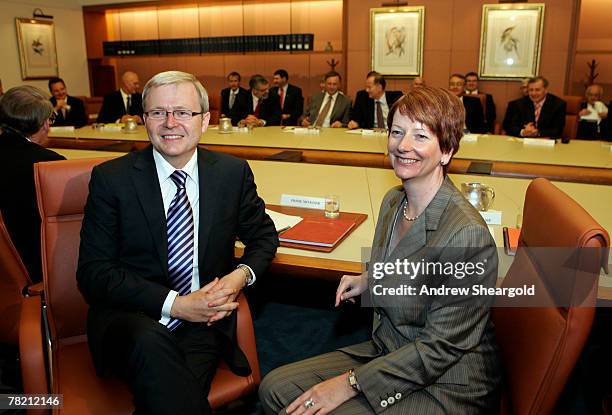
[(511, 240), (317, 231)]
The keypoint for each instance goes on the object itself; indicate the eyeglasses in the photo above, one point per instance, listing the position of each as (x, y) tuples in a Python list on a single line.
[(182, 115)]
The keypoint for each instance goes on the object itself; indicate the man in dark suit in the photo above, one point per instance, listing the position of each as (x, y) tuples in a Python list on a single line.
[(260, 108), (372, 104), (291, 99), (511, 107), (329, 108), (471, 88), (126, 102), (24, 124), (68, 110), (538, 115), (474, 115), (232, 95), (156, 261)]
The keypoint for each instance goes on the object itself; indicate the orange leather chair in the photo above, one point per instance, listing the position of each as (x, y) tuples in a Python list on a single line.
[(214, 104), (539, 345), (573, 103), (14, 284), (66, 366)]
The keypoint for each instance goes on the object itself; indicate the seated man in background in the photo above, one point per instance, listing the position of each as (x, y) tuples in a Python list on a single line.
[(291, 99), (232, 95), (471, 88), (418, 82), (593, 114), (539, 114), (261, 108), (25, 113), (372, 104), (119, 105), (511, 105), (474, 115), (68, 110), (335, 112)]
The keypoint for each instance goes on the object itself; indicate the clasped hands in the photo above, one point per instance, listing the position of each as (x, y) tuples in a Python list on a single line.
[(530, 130), (211, 303), (335, 124)]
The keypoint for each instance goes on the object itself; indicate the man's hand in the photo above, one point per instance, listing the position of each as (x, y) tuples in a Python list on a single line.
[(584, 112), (305, 122), (530, 130), (201, 305), (336, 124), (235, 281), (353, 124), (285, 116), (61, 103)]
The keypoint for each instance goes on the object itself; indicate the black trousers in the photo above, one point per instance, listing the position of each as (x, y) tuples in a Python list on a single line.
[(167, 372)]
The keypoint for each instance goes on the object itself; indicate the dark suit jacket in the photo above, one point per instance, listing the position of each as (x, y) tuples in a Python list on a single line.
[(550, 123), (363, 110), (76, 116), (340, 112), (18, 200), (113, 107), (491, 114), (510, 110), (474, 116), (293, 105), (269, 109), (431, 342), (241, 98), (123, 258)]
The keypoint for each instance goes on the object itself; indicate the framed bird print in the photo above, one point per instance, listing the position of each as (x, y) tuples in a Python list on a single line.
[(37, 53), (396, 40), (510, 40)]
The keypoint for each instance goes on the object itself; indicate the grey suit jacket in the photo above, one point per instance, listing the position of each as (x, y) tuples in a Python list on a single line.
[(340, 112), (443, 344)]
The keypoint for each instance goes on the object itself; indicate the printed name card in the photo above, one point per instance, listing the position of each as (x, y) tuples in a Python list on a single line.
[(469, 138), (539, 142), (303, 201), (62, 129), (492, 217)]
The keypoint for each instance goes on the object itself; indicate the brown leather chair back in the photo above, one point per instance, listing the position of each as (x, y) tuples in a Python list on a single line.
[(571, 126), (573, 103), (14, 279), (214, 106), (62, 188), (539, 345), (483, 102)]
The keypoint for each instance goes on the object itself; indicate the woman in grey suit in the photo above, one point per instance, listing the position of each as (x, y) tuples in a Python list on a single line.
[(433, 347)]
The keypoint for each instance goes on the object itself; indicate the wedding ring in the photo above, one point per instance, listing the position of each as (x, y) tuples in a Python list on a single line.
[(309, 404)]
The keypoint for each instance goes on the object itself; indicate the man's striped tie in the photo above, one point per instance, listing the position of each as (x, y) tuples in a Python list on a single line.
[(180, 240)]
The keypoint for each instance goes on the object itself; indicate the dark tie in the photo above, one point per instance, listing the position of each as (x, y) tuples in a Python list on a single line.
[(380, 120), (323, 113), (257, 107), (180, 240), (128, 104), (282, 97)]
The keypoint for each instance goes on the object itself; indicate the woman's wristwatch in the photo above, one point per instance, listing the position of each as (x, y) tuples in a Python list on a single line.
[(352, 380)]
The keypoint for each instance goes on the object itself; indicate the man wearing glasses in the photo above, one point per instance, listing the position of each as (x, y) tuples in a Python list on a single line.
[(156, 261), (261, 108)]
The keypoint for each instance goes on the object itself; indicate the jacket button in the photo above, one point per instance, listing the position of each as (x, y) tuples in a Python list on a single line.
[(391, 400), (383, 403), (398, 396)]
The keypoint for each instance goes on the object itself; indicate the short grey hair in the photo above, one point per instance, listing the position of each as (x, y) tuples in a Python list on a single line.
[(173, 78), (257, 80), (25, 108)]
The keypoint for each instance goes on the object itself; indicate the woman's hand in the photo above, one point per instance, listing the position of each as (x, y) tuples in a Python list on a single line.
[(324, 397), (351, 286)]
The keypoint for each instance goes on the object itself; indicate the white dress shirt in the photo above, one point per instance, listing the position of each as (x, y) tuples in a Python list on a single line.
[(594, 111)]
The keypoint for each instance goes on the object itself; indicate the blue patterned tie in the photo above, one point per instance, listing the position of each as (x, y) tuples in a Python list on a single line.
[(180, 240)]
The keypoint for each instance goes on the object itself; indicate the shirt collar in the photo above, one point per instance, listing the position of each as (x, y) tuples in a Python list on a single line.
[(124, 94), (165, 169), (382, 99)]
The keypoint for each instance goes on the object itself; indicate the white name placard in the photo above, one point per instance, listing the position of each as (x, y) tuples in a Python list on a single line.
[(303, 201), (63, 129), (469, 138), (539, 142), (492, 217)]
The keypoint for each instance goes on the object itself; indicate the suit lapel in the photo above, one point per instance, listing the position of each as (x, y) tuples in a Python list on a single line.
[(209, 203), (149, 195)]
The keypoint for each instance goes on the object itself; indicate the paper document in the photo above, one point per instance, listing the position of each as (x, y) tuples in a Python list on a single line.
[(281, 221)]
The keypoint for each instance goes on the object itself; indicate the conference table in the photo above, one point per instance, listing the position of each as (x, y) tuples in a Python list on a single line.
[(578, 161), (361, 189)]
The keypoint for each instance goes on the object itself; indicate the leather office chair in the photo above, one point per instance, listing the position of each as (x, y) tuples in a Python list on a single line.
[(571, 126), (214, 106), (539, 345), (66, 368), (573, 103), (14, 282)]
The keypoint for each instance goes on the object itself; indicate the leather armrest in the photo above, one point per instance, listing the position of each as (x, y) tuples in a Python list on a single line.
[(246, 337), (36, 289), (31, 347)]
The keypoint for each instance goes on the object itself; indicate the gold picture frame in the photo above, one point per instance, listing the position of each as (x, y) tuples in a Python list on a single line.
[(37, 51), (511, 40), (396, 40)]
